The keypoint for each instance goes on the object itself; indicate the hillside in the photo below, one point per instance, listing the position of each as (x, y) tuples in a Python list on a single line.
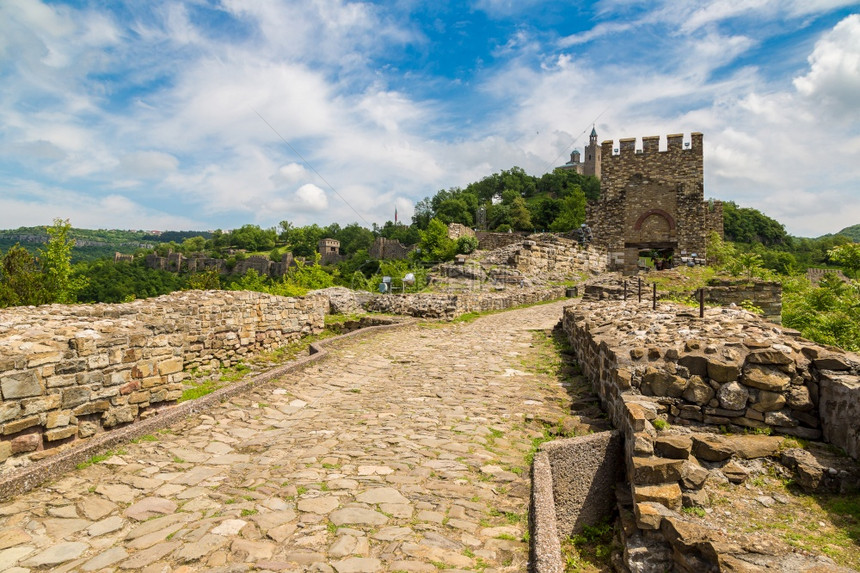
[(92, 244), (852, 232)]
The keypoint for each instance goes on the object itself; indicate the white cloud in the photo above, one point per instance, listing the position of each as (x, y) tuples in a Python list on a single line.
[(833, 80), (311, 198)]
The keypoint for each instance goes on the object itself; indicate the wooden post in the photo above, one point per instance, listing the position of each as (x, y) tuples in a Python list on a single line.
[(625, 290), (702, 302), (640, 289), (654, 298)]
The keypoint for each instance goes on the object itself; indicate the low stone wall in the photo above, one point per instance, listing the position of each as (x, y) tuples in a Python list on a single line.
[(548, 255), (70, 371), (449, 306), (766, 295), (730, 369)]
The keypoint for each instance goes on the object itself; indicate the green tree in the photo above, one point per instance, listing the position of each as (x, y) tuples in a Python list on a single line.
[(56, 262), (848, 256), (521, 217), (20, 279), (435, 244), (571, 213)]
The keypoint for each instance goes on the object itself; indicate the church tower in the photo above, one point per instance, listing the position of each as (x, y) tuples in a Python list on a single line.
[(593, 151)]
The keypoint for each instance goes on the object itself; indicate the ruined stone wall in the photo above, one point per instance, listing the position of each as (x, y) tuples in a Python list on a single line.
[(766, 295), (69, 371), (457, 230), (449, 306), (491, 241), (548, 255), (383, 248), (730, 370)]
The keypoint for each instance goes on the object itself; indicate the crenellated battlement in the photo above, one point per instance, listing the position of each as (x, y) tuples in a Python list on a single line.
[(626, 147)]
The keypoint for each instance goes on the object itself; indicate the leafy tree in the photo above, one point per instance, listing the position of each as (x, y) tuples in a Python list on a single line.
[(21, 282), (748, 225), (56, 261), (848, 256), (521, 217), (571, 213), (467, 245), (205, 280), (435, 244)]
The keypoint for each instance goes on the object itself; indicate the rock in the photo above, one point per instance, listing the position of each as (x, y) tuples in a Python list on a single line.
[(735, 472), (320, 505), (357, 516), (712, 448), (750, 447), (649, 514), (673, 446), (807, 470), (381, 495), (781, 418), (150, 507), (693, 476), (668, 495), (769, 356), (56, 554), (229, 527), (769, 401), (695, 498), (765, 378), (105, 559), (654, 470), (733, 396), (698, 391), (799, 399), (358, 565), (722, 371), (830, 362)]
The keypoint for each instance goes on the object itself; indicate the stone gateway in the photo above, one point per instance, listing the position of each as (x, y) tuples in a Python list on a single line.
[(652, 202)]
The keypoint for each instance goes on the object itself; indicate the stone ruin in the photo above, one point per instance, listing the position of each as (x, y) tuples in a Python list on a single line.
[(725, 390)]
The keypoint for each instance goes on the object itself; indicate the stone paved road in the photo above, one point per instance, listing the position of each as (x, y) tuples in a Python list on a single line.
[(403, 451)]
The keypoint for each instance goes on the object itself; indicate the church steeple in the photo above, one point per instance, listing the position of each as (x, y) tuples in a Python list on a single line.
[(591, 165)]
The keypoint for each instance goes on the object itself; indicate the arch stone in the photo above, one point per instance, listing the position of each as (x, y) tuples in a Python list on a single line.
[(669, 219)]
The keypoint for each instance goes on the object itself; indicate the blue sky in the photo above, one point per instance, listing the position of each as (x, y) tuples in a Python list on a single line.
[(157, 114)]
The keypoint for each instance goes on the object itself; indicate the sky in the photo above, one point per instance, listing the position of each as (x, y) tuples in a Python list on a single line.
[(205, 114)]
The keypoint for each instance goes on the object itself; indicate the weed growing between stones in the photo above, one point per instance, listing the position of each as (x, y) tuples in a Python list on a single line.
[(100, 458), (590, 550)]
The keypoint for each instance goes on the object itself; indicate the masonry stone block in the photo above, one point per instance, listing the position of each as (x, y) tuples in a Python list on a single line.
[(20, 385)]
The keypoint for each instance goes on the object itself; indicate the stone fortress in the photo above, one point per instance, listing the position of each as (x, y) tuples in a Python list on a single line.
[(73, 373), (652, 201)]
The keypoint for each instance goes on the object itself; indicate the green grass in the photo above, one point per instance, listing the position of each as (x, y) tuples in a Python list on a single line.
[(590, 550), (100, 458)]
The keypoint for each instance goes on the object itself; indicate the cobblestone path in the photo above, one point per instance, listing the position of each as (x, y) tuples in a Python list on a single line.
[(402, 451)]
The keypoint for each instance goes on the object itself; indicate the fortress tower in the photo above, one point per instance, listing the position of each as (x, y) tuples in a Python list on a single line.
[(652, 200)]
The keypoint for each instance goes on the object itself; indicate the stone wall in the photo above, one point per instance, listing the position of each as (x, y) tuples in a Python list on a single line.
[(383, 248), (70, 371), (548, 255), (731, 370), (449, 306), (491, 241), (766, 295), (457, 230)]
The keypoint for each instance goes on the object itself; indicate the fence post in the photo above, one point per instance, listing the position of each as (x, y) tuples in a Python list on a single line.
[(654, 298)]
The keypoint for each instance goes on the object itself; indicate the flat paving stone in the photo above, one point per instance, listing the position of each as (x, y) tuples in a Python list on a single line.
[(404, 450)]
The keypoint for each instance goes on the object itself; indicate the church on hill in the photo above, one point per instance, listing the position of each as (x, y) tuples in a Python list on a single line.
[(591, 164)]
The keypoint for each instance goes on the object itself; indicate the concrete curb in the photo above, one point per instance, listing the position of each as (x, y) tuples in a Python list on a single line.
[(27, 478), (545, 547)]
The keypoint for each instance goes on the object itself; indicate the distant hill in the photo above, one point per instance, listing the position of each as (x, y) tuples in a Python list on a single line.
[(93, 244), (852, 232)]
